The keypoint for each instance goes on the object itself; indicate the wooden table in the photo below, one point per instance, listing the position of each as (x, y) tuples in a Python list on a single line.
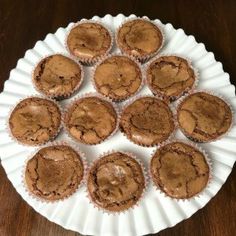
[(22, 23)]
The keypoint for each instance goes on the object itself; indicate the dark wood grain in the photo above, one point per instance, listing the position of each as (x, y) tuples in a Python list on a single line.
[(22, 23)]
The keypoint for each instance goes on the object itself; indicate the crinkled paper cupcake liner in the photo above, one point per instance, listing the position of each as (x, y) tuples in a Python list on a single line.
[(144, 172), (87, 95), (59, 96), (54, 143), (89, 61)]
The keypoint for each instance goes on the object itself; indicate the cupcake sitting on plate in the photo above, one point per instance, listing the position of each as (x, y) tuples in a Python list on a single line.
[(204, 117), (180, 170), (116, 182), (140, 38), (88, 41), (57, 76)]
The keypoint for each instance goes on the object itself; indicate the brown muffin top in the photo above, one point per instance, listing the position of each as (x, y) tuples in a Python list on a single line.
[(54, 172), (35, 121), (170, 76), (57, 76), (139, 37), (204, 117), (180, 170), (118, 77), (148, 121), (89, 40), (116, 182), (91, 120)]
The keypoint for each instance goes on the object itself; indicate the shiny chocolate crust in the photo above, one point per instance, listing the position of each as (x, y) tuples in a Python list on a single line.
[(118, 77), (89, 40), (204, 117), (54, 172), (57, 76), (147, 121), (35, 121), (179, 170), (91, 120), (115, 182), (170, 76), (139, 38)]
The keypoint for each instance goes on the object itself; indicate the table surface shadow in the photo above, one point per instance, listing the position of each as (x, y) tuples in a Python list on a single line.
[(22, 23)]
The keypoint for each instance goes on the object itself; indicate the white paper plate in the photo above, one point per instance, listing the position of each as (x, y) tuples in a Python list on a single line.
[(155, 211)]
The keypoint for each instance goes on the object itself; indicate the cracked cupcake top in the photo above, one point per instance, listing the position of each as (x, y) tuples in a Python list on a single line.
[(139, 38), (180, 170), (35, 121), (170, 76), (116, 182), (54, 172), (91, 120), (147, 121), (89, 40), (204, 117), (57, 76), (118, 77)]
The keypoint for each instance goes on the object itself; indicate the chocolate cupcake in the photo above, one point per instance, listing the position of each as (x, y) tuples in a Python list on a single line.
[(140, 38), (170, 76), (179, 170), (117, 77), (57, 76), (35, 121), (204, 117), (54, 172), (91, 120), (147, 121), (115, 182), (88, 41)]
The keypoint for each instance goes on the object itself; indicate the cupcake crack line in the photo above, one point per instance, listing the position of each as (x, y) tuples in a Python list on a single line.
[(42, 67)]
